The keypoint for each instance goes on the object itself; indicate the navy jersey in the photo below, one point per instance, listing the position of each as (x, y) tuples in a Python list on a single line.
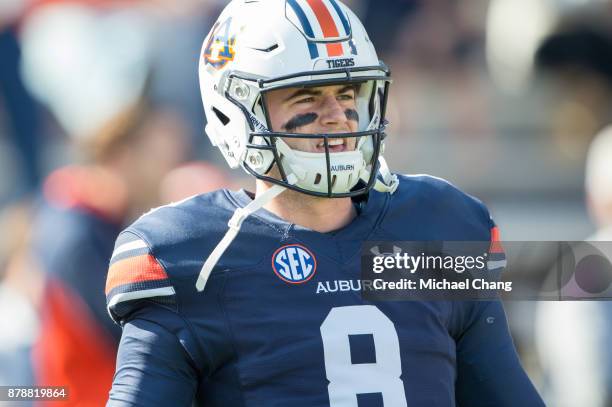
[(261, 334)]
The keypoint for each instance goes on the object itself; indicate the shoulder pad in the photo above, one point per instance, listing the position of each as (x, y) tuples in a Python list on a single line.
[(442, 210), (440, 193)]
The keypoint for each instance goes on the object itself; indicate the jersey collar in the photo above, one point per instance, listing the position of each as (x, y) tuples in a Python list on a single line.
[(369, 215)]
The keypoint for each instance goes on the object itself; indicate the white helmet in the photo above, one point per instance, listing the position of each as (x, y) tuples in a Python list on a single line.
[(257, 46)]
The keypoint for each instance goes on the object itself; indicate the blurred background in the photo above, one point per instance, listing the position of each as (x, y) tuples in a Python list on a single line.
[(101, 119)]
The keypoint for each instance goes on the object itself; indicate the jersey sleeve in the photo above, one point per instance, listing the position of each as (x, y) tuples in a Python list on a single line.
[(160, 358), (154, 367), (135, 275), (489, 372)]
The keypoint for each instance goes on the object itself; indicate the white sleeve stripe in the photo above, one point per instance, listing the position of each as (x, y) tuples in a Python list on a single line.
[(133, 245), (495, 264), (135, 295)]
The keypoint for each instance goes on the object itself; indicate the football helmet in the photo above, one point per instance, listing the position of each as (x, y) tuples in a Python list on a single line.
[(258, 46)]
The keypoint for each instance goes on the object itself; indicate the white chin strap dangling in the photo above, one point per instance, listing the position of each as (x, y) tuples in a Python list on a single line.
[(234, 225)]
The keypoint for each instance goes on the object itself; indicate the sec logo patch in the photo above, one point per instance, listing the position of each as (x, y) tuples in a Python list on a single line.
[(294, 264)]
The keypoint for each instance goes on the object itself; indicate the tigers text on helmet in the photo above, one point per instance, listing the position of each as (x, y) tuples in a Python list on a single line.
[(259, 46)]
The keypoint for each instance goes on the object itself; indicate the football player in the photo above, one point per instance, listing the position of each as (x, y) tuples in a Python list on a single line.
[(242, 299)]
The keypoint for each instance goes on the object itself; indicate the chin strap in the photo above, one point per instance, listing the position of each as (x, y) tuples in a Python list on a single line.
[(234, 225), (389, 181)]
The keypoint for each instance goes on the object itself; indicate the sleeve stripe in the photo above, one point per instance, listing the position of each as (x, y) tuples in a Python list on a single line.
[(497, 256), (496, 246), (133, 245), (135, 295), (143, 285), (134, 270), (496, 264), (128, 254)]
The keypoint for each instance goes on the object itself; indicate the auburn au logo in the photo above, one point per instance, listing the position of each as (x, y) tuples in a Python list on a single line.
[(220, 46), (294, 264)]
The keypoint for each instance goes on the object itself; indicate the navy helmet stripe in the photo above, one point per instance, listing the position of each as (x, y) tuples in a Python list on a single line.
[(312, 47), (342, 18)]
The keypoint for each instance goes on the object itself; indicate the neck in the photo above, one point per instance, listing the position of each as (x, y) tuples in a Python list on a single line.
[(319, 214)]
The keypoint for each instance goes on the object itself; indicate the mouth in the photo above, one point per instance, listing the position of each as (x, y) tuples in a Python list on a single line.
[(336, 145)]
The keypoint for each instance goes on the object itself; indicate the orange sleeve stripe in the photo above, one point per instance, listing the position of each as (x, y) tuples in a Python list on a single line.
[(134, 270), (496, 246)]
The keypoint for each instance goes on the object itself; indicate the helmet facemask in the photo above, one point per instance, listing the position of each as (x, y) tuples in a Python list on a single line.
[(326, 174)]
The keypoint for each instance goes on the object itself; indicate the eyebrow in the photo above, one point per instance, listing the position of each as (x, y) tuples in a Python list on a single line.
[(313, 92), (303, 92), (352, 87)]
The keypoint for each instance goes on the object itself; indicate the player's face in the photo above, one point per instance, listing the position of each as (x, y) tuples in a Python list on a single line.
[(325, 109)]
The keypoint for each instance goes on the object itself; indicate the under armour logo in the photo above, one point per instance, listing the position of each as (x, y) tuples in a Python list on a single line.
[(376, 251)]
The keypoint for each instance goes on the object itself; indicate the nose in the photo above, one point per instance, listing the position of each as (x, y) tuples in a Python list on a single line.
[(332, 114)]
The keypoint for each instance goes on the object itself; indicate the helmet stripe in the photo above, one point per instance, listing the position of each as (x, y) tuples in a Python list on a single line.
[(347, 29), (328, 25), (312, 47)]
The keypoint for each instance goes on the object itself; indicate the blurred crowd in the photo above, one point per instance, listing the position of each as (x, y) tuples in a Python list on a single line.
[(101, 120)]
